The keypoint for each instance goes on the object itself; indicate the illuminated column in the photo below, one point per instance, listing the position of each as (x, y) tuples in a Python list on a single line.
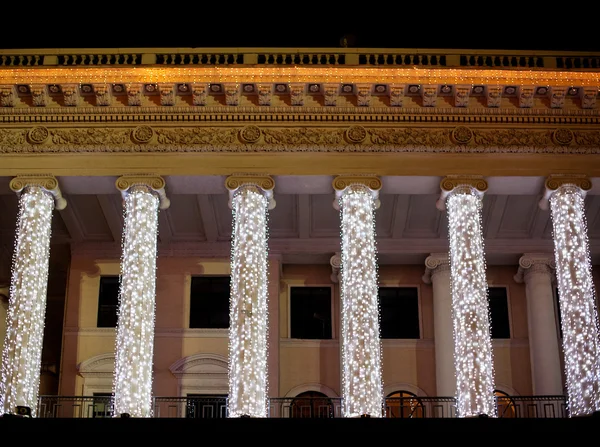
[(537, 271), (22, 352), (579, 314), (473, 357), (362, 384), (437, 273), (132, 382), (250, 198)]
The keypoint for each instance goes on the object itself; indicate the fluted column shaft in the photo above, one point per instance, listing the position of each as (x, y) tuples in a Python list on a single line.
[(362, 387), (249, 303), (22, 351), (134, 350), (580, 326), (537, 273), (438, 274)]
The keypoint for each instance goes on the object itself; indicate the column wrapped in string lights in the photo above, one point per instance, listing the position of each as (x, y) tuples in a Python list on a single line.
[(250, 198), (473, 357), (357, 198), (577, 296), (22, 353), (143, 196)]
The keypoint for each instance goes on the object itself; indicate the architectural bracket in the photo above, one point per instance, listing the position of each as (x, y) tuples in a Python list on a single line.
[(555, 181), (47, 182)]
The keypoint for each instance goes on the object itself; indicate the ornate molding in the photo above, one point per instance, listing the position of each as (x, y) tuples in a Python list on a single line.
[(264, 182), (153, 182), (434, 264), (453, 183), (535, 263), (343, 182), (556, 181), (47, 182)]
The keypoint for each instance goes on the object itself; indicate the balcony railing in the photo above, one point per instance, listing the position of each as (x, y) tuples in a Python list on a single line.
[(300, 407)]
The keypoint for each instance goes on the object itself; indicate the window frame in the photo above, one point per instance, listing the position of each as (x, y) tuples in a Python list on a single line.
[(395, 285), (508, 308), (289, 312)]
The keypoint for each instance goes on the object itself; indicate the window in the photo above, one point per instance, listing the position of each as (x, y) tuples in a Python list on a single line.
[(206, 406), (209, 302), (108, 301), (498, 301), (310, 311), (403, 404), (102, 405), (311, 404), (399, 312)]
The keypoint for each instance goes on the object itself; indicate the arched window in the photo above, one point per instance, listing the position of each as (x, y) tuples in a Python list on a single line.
[(505, 405), (403, 404), (311, 404)]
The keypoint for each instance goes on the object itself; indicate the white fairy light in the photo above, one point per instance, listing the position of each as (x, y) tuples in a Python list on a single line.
[(470, 309), (362, 383), (132, 384), (248, 314), (579, 314), (22, 353)]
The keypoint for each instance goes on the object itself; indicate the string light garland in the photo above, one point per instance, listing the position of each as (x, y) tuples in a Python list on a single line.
[(362, 382), (248, 313), (470, 309), (22, 353), (579, 314), (132, 384)]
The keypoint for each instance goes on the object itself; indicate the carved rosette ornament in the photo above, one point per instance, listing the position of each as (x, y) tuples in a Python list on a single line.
[(250, 134), (264, 183), (563, 136), (460, 184), (47, 182), (556, 181), (38, 135), (342, 182), (153, 183), (461, 135), (356, 134), (142, 134)]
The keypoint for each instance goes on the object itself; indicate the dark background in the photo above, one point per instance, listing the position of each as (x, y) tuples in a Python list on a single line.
[(569, 26)]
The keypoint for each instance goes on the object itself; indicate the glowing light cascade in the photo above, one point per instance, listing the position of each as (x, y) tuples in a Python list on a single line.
[(579, 314), (470, 309), (132, 383), (248, 330), (22, 354), (362, 383)]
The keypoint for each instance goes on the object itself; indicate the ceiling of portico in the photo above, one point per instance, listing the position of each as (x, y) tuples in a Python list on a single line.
[(304, 226)]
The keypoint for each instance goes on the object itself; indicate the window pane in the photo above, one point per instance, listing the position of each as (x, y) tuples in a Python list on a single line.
[(310, 310), (108, 301), (499, 312), (209, 302), (399, 312)]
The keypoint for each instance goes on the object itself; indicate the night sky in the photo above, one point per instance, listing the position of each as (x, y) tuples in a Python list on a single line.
[(197, 25)]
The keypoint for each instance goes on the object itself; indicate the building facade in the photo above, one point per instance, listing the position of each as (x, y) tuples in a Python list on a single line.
[(412, 129)]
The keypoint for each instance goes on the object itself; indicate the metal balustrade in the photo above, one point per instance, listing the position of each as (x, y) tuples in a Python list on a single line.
[(518, 407)]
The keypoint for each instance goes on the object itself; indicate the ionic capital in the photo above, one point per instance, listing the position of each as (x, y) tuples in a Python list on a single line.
[(557, 181), (535, 263), (46, 182), (154, 183), (342, 182), (336, 266), (434, 264), (264, 182), (460, 184)]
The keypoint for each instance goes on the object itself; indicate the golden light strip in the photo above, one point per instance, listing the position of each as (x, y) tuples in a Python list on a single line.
[(418, 75)]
